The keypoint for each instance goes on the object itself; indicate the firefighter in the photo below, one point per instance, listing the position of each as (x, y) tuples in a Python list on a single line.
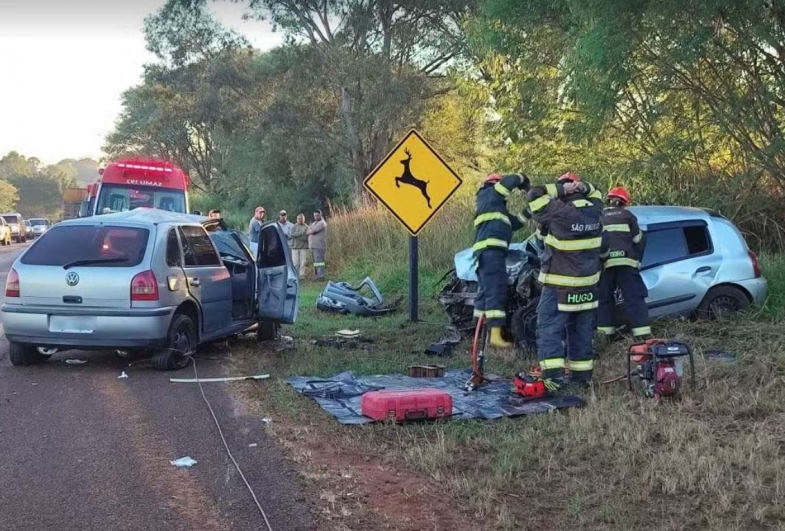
[(570, 271), (493, 226), (622, 249)]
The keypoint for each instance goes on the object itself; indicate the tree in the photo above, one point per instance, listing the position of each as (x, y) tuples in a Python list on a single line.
[(39, 195), (9, 196), (373, 64)]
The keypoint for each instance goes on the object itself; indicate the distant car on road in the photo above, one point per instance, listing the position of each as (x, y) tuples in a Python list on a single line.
[(145, 280), (17, 224), (40, 226), (695, 262), (5, 232), (28, 229)]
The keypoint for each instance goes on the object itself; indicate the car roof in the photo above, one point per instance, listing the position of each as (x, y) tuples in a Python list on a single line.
[(648, 215), (144, 216)]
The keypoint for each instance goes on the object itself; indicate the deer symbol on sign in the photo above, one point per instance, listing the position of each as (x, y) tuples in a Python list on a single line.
[(408, 178)]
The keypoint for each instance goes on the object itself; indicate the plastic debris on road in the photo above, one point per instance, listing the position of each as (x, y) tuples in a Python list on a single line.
[(75, 362), (123, 375), (223, 379), (253, 445), (184, 462)]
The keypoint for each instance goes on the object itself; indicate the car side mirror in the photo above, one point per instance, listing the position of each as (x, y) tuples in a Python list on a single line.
[(197, 212)]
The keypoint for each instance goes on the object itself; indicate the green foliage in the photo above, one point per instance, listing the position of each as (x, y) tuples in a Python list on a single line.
[(683, 103), (39, 195), (9, 196)]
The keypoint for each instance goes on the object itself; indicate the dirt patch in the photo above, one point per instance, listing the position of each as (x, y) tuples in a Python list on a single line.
[(354, 485)]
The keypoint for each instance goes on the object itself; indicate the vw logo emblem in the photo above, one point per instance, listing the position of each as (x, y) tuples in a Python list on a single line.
[(72, 279)]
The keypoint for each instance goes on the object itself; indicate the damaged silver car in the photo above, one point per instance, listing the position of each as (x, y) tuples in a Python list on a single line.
[(696, 263)]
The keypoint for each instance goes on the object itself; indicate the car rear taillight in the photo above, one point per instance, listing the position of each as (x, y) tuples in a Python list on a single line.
[(12, 284), (144, 287), (755, 264)]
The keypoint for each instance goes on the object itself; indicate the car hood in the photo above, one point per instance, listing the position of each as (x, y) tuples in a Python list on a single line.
[(517, 258)]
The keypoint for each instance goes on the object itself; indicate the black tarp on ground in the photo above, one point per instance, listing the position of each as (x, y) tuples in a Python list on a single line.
[(340, 395)]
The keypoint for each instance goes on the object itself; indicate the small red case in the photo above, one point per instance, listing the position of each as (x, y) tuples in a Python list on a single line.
[(405, 405)]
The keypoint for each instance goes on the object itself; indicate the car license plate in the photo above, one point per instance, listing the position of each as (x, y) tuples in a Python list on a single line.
[(73, 324)]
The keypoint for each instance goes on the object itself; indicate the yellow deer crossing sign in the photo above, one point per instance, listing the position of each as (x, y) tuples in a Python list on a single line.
[(413, 182)]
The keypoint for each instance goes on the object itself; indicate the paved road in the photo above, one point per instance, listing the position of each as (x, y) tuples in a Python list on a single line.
[(83, 450)]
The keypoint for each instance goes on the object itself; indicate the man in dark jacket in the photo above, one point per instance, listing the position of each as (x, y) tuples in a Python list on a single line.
[(568, 213), (494, 226), (622, 249)]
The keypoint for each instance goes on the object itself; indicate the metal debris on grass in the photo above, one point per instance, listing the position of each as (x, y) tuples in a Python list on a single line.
[(184, 462), (720, 355)]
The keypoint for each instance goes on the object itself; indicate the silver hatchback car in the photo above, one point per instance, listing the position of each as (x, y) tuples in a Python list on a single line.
[(696, 261), (145, 280)]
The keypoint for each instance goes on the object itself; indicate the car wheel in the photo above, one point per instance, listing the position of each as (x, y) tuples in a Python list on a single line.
[(523, 326), (722, 300), (266, 331), (21, 355), (181, 344)]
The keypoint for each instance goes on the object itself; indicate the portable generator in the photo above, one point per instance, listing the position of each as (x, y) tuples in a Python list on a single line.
[(658, 366)]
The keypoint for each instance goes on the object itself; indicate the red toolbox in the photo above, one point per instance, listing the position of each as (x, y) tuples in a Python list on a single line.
[(410, 404)]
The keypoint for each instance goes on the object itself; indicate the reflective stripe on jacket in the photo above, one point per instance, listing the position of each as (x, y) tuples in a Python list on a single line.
[(574, 235), (622, 239), (493, 224)]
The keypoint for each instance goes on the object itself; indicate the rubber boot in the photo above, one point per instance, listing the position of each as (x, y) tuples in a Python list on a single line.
[(497, 341)]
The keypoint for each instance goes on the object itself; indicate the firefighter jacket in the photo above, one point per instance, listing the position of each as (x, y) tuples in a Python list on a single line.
[(493, 225), (573, 236), (622, 239)]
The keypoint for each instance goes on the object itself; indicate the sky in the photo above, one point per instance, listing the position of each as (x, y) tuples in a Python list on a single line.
[(64, 65)]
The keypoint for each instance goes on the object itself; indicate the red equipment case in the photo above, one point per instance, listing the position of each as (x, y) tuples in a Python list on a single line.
[(411, 404)]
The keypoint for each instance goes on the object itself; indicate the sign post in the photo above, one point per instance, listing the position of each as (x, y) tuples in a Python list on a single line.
[(414, 280), (413, 182)]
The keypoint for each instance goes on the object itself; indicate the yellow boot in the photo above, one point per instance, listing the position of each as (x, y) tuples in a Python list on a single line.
[(497, 340)]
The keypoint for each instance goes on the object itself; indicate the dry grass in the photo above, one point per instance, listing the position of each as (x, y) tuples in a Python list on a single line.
[(713, 460)]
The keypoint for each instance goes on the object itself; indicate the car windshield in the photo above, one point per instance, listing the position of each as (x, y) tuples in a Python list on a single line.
[(89, 245), (38, 222), (121, 198)]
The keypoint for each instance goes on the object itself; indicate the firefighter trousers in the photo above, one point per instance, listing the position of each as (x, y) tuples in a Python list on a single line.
[(628, 280), (491, 300), (554, 327)]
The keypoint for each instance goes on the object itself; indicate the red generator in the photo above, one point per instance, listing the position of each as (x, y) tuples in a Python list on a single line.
[(412, 404)]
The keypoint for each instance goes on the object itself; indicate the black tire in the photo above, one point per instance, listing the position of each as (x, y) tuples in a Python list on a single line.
[(21, 355), (523, 327), (267, 331), (182, 340), (722, 300)]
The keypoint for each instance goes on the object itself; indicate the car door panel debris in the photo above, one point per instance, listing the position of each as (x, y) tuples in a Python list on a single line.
[(343, 298)]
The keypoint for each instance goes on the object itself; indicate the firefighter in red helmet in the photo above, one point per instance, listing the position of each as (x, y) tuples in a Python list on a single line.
[(493, 226), (622, 249), (568, 213)]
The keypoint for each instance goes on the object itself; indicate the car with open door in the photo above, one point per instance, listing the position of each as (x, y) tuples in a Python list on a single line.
[(145, 280)]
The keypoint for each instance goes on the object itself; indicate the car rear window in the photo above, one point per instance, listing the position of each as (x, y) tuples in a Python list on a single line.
[(11, 219), (671, 244), (107, 246), (38, 222)]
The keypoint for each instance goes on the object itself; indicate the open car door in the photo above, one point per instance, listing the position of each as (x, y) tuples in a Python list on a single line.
[(279, 289)]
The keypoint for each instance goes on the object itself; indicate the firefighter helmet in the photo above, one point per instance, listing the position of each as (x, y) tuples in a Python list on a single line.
[(569, 177), (620, 193)]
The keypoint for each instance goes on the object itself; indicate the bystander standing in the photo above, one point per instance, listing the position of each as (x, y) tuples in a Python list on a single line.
[(299, 245), (255, 226), (317, 242)]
